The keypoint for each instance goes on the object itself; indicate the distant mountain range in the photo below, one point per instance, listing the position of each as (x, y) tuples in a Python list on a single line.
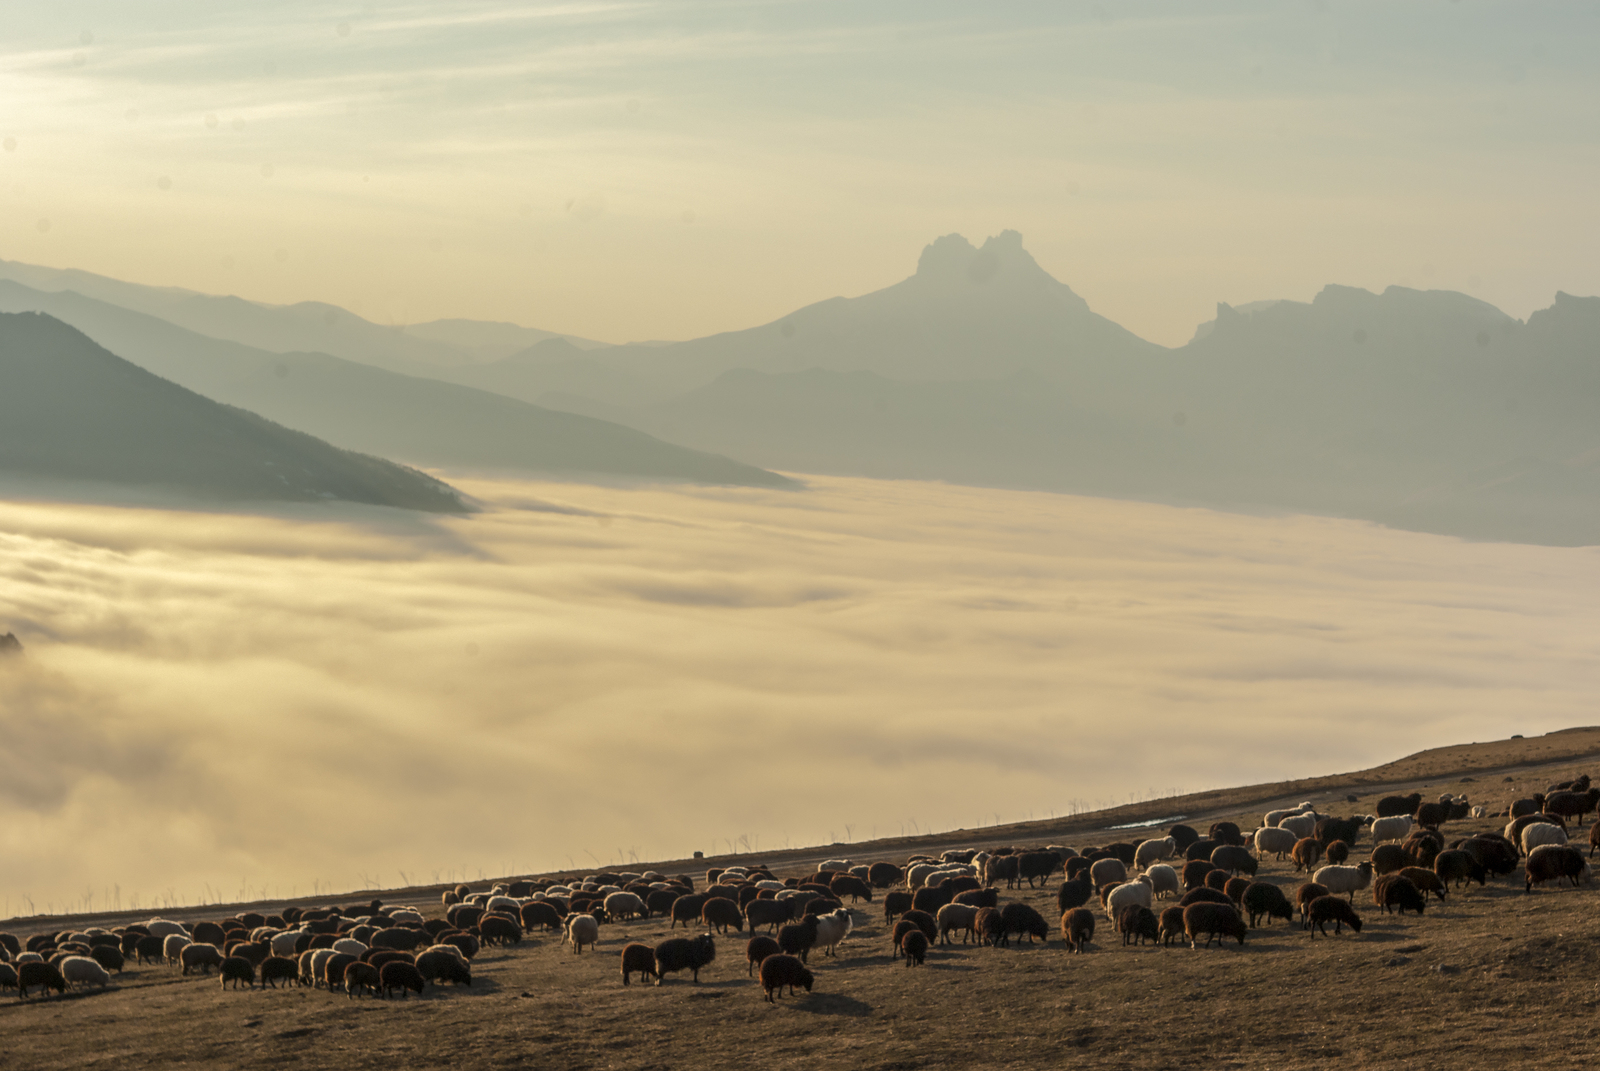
[(1421, 409), (71, 410)]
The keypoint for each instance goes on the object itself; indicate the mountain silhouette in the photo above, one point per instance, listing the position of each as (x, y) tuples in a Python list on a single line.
[(415, 420), (71, 410)]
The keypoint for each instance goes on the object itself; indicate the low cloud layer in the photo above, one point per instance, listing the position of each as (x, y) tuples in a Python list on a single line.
[(212, 704)]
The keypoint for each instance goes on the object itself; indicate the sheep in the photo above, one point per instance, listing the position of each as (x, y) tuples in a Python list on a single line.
[(1262, 899), (1572, 804), (1344, 879), (768, 913), (1326, 909), (1306, 854), (105, 955), (1456, 867), (1538, 833), (1107, 872), (756, 950), (165, 928), (494, 929), (350, 947), (1301, 825), (1218, 879), (1389, 858), (406, 939), (1217, 921), (924, 922), (1153, 851), (333, 969), (275, 969), (171, 945), (1132, 892), (1304, 894), (581, 930), (1532, 805), (797, 938), (8, 976), (1195, 871), (914, 947), (780, 970), (851, 886), (638, 957), (1280, 842), (359, 977), (200, 957), (1594, 838), (540, 915), (985, 897), (1077, 926), (995, 868), (1227, 833), (1423, 846), (43, 975), (1394, 890), (402, 976), (1136, 923), (883, 875), (1337, 852), (1432, 815), (83, 971), (1163, 880), (1235, 858), (1121, 850), (236, 969), (624, 905), (1022, 920), (1493, 852), (1031, 865), (1204, 895), (1183, 836), (443, 963), (1201, 849), (1426, 881), (896, 903), (284, 944), (1555, 861), (956, 917), (1331, 829), (718, 914), (832, 928), (1393, 827), (685, 954), (1393, 806)]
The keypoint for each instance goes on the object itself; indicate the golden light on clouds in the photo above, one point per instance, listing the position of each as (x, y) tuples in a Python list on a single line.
[(216, 703)]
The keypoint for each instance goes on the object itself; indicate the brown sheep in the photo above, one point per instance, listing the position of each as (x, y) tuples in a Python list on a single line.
[(989, 927), (1077, 926), (237, 969), (1204, 895), (1389, 859), (782, 970), (851, 886), (1171, 925), (1234, 889), (1337, 852), (361, 976), (1334, 909), (637, 957), (1216, 921), (1426, 881), (1305, 894), (718, 914), (1136, 923), (275, 969), (1550, 862), (758, 949), (961, 917), (896, 903), (914, 947), (1393, 890), (1306, 854)]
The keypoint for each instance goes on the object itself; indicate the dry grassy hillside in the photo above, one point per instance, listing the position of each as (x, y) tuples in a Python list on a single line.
[(1491, 977)]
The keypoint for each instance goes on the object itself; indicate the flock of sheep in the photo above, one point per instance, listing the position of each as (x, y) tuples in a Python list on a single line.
[(384, 950)]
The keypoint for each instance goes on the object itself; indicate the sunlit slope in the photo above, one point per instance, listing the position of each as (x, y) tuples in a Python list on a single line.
[(71, 410)]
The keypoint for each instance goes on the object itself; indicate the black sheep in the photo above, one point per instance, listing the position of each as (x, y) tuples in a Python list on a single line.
[(686, 909), (923, 921), (1077, 926), (883, 875), (402, 976), (1078, 865), (1195, 871), (822, 905), (896, 903), (1204, 895), (237, 969), (639, 958), (1136, 923), (1550, 862), (1072, 894), (1432, 815), (1024, 921), (1216, 921), (1393, 890), (1334, 909), (1493, 852), (685, 954), (1389, 859), (1227, 833), (1201, 849), (783, 970), (492, 930), (538, 915), (797, 938), (1456, 867), (914, 947), (931, 900), (1392, 806), (980, 897), (758, 949), (1183, 836), (851, 886), (1262, 899), (768, 913), (275, 969)]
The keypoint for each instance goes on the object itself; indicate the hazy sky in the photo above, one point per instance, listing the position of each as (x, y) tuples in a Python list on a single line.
[(333, 694), (644, 170)]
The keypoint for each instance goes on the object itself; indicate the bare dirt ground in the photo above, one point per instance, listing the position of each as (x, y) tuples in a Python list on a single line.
[(1490, 978)]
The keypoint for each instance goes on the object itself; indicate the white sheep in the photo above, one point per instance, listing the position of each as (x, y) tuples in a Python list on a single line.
[(582, 930), (621, 905), (1479, 811), (1540, 833), (832, 928), (915, 875), (503, 903), (171, 945), (1105, 871), (284, 943), (1137, 891), (1279, 842), (1301, 825), (452, 949), (1395, 827), (1164, 879), (836, 864), (653, 875), (164, 927), (767, 884), (1153, 851), (349, 946), (83, 971), (407, 915), (1344, 879), (860, 871), (319, 957)]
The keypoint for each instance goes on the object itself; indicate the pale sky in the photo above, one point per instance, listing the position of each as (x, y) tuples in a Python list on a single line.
[(630, 170)]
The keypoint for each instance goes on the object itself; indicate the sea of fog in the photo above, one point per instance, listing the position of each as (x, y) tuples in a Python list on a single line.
[(215, 705)]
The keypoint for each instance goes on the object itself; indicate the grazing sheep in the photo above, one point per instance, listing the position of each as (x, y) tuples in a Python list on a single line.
[(1532, 805), (1262, 899), (275, 969), (995, 868), (914, 947), (1492, 851), (1077, 926), (165, 928), (1426, 881), (1555, 862), (686, 909), (1304, 894), (494, 930), (43, 975), (638, 957), (685, 954), (1195, 871), (581, 930), (1326, 909), (961, 917), (444, 964), (1201, 849), (1538, 833), (1344, 879), (1227, 833), (1024, 921), (1040, 865), (200, 957), (1456, 867), (1163, 880), (1218, 879), (1234, 889), (883, 875), (781, 970), (989, 926), (1393, 827), (1394, 890), (1572, 804), (931, 899), (1137, 923), (924, 922), (797, 938), (1423, 846), (1392, 806), (982, 897), (1153, 851), (1204, 895), (1169, 927), (758, 949), (540, 915), (1235, 858), (1108, 872), (236, 969), (718, 914), (851, 886), (402, 976), (406, 939), (1132, 892), (1218, 921), (350, 947), (1337, 852), (768, 913), (624, 905), (1278, 842), (1301, 825), (1389, 859), (333, 969), (361, 976), (107, 956), (83, 971), (171, 945)]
